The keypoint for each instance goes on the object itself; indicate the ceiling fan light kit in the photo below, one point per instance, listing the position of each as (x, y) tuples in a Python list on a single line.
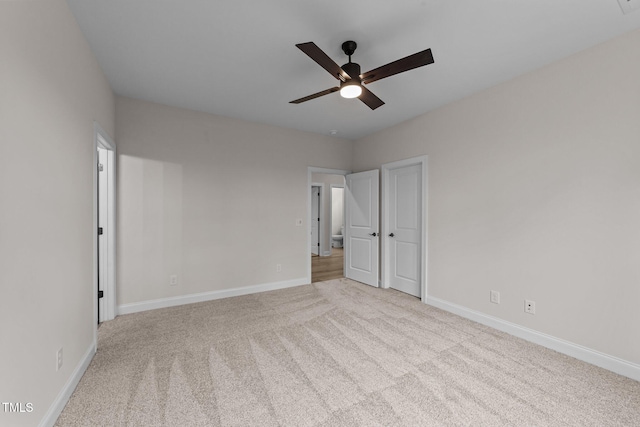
[(351, 80), (350, 89)]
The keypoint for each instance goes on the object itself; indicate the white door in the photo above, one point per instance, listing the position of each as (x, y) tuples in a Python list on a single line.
[(405, 229), (361, 227), (105, 217), (102, 190), (315, 220)]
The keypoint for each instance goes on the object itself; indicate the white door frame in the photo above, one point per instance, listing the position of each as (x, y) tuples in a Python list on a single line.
[(311, 170), (320, 215), (385, 268), (102, 139)]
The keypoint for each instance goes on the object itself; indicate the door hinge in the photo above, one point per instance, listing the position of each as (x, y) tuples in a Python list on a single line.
[(318, 244), (100, 231), (100, 167), (100, 294)]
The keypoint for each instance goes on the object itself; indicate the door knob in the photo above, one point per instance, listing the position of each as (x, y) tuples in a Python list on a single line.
[(391, 235), (374, 234)]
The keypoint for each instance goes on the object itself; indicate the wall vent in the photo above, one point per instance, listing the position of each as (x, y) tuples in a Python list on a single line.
[(629, 6)]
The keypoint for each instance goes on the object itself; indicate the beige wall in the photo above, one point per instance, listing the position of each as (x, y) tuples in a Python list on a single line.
[(211, 199), (51, 91), (328, 180), (534, 191)]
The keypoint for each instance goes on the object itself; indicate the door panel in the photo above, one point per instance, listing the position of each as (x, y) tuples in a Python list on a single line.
[(405, 213), (361, 227), (361, 207), (360, 250), (406, 188), (406, 257)]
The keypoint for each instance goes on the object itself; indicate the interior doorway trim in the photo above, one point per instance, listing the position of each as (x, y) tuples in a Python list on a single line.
[(310, 171), (321, 221), (385, 226), (101, 139)]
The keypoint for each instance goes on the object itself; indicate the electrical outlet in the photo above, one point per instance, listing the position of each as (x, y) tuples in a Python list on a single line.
[(59, 359), (278, 268), (529, 306), (494, 297), (173, 280)]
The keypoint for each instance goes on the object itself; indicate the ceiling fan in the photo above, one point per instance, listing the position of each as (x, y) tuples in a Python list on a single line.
[(351, 80)]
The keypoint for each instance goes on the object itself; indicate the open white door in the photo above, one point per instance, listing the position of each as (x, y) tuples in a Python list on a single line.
[(361, 227), (104, 231), (103, 214)]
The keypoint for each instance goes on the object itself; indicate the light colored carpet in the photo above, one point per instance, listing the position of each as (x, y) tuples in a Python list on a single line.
[(335, 353)]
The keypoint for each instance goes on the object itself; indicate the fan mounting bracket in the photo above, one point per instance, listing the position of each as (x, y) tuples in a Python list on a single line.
[(349, 47)]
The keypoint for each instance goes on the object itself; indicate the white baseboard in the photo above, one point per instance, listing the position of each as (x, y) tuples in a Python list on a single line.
[(136, 307), (612, 363), (58, 405)]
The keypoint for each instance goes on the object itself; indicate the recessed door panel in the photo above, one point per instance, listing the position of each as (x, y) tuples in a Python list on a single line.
[(360, 258), (406, 195), (406, 263), (360, 214)]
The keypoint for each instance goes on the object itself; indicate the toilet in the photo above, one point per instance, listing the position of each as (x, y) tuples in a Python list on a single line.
[(336, 239)]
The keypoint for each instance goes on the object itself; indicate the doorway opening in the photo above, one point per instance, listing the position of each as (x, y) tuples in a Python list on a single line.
[(327, 188)]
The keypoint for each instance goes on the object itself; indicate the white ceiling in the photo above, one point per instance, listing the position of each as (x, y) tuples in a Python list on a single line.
[(237, 58)]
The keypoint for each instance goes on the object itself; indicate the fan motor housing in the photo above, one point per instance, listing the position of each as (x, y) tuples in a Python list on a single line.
[(353, 70)]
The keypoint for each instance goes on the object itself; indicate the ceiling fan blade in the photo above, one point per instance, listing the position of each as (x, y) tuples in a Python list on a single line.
[(370, 99), (315, 53), (315, 95), (401, 65)]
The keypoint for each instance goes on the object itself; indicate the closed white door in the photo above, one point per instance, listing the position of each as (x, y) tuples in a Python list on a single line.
[(361, 227), (405, 229), (315, 220)]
